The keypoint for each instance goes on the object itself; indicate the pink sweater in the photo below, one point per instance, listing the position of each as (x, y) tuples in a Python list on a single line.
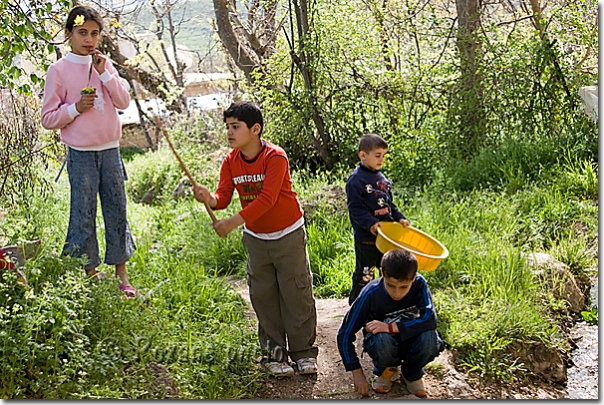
[(96, 129)]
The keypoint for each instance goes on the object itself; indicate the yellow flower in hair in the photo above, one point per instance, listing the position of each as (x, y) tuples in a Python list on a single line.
[(79, 20)]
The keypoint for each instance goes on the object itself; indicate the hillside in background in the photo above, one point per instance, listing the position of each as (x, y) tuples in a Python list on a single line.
[(194, 19)]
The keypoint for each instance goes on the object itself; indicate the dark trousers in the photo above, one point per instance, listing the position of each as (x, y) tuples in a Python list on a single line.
[(368, 257), (414, 353)]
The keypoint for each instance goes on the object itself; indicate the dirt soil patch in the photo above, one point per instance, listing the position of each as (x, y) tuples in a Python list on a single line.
[(443, 381)]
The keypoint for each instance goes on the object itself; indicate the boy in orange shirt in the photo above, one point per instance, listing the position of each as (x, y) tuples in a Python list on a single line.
[(278, 268)]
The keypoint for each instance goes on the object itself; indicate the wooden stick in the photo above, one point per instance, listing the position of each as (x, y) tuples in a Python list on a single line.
[(182, 164)]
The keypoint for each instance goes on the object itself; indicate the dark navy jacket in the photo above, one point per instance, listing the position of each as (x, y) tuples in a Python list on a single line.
[(413, 315), (369, 199)]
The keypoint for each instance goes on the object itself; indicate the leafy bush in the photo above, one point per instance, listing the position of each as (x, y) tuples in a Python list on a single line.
[(157, 173), (67, 337), (591, 317), (24, 149)]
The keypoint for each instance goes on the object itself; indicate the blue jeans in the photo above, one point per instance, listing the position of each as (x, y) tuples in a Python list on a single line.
[(94, 174), (414, 353)]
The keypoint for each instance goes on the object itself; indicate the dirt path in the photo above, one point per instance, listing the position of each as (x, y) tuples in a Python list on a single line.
[(333, 382)]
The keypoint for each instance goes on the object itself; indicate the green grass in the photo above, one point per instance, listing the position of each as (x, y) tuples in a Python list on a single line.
[(78, 339), (69, 338)]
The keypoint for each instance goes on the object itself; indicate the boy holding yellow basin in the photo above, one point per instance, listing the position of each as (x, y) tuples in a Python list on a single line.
[(369, 200)]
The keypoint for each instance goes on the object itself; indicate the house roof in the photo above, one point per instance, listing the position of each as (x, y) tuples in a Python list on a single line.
[(193, 78)]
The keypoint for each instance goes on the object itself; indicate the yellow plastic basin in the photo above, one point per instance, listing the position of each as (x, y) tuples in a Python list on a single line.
[(427, 250)]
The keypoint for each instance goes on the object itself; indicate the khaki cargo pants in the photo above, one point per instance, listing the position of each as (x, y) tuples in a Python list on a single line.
[(280, 284)]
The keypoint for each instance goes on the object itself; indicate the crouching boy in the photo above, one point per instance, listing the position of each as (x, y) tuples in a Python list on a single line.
[(399, 324)]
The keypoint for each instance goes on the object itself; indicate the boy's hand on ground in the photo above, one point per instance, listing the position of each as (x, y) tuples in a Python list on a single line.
[(360, 382), (374, 228), (404, 222), (376, 327)]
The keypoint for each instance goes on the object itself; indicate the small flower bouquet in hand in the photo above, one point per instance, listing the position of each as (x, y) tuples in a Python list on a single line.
[(88, 90)]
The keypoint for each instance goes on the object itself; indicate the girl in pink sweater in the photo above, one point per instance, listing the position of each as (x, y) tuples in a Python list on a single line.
[(91, 129)]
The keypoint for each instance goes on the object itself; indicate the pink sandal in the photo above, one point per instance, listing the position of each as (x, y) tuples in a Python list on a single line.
[(128, 290)]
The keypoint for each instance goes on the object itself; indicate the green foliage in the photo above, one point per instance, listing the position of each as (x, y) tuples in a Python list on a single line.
[(547, 217), (24, 150), (28, 32), (80, 339), (197, 142), (486, 297), (509, 165), (415, 156), (490, 359), (435, 369), (130, 152), (329, 234), (530, 184), (182, 231), (393, 71), (591, 317), (158, 173), (331, 252), (579, 177), (574, 250), (359, 83)]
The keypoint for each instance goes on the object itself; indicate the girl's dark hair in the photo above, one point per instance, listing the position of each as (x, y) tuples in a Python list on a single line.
[(369, 142), (247, 112), (399, 264), (88, 13)]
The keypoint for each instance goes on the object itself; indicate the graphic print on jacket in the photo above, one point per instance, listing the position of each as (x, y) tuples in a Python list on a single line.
[(403, 315), (369, 200), (382, 197), (250, 185)]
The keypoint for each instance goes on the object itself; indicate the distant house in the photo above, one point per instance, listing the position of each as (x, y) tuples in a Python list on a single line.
[(151, 106), (202, 84), (196, 84)]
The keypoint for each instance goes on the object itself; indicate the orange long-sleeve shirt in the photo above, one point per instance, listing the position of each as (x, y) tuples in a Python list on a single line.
[(269, 204)]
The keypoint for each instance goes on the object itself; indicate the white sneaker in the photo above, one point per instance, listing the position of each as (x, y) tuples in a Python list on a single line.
[(307, 365), (416, 388), (383, 383), (279, 369)]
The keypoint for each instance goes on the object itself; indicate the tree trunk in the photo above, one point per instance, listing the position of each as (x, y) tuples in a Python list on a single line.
[(302, 61), (472, 117), (240, 54), (248, 51)]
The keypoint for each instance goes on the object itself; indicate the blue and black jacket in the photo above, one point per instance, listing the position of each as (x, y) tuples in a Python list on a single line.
[(413, 314), (369, 199)]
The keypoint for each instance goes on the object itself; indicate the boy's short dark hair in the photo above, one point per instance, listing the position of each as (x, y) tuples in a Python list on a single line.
[(399, 264), (88, 13), (369, 142), (247, 112)]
